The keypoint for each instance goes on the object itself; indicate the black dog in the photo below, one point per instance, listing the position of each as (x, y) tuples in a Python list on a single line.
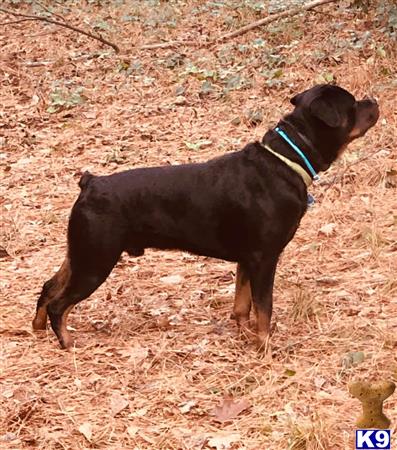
[(244, 207)]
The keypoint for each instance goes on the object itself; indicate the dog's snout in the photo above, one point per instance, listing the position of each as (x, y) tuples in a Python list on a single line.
[(371, 100), (370, 106)]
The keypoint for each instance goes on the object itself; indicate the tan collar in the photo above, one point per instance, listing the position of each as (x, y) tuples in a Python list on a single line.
[(294, 166)]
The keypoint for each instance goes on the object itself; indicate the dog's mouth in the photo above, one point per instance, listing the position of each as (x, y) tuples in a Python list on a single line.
[(367, 114)]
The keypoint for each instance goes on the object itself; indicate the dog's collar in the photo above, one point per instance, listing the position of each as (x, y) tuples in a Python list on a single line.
[(286, 138), (293, 165)]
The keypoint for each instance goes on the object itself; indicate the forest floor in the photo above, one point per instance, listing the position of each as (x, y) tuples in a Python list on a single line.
[(158, 363)]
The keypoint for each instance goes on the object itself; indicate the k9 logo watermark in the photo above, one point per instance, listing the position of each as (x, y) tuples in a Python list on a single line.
[(372, 439)]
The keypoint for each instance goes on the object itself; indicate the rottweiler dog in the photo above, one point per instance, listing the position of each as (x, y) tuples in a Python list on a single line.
[(243, 207)]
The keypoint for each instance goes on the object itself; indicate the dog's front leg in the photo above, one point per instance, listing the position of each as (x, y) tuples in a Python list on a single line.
[(242, 300), (262, 281)]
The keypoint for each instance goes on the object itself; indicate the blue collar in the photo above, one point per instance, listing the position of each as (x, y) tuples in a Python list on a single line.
[(299, 152)]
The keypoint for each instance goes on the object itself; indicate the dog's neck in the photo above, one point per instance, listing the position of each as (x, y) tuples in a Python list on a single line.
[(291, 126), (301, 137)]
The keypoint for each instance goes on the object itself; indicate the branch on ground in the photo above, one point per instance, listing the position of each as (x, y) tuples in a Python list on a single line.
[(168, 44), (27, 17), (272, 18)]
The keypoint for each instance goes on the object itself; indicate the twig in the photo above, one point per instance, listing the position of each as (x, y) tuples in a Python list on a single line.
[(49, 11), (12, 22), (272, 18), (168, 44), (62, 24)]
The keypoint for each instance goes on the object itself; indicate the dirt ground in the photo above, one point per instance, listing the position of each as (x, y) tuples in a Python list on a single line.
[(158, 363)]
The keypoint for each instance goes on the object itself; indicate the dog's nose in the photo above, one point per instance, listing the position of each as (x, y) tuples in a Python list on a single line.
[(373, 100)]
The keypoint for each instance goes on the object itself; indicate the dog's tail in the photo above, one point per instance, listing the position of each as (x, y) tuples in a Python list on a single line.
[(85, 179)]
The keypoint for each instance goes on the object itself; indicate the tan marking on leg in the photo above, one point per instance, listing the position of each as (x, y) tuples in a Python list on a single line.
[(263, 331), (242, 300), (67, 340), (59, 282), (355, 133), (40, 320)]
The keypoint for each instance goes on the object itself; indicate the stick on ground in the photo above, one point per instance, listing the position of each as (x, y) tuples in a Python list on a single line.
[(272, 18), (28, 17)]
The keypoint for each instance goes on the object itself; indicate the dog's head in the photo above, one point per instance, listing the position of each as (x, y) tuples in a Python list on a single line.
[(332, 118)]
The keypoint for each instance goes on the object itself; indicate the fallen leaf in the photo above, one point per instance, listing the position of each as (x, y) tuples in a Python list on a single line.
[(139, 412), (135, 354), (8, 393), (186, 407), (327, 229), (163, 323), (90, 115), (229, 409), (172, 279), (198, 145), (93, 378), (132, 430), (117, 404), (319, 382), (3, 252), (352, 359), (223, 441), (254, 116), (180, 100), (148, 438), (328, 77), (86, 430), (391, 178), (8, 437), (206, 88)]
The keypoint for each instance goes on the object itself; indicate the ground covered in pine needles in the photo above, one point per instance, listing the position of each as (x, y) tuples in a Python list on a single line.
[(158, 363)]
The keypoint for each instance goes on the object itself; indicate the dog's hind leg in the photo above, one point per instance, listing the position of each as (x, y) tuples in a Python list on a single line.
[(93, 250), (52, 289), (81, 286), (64, 290), (91, 261)]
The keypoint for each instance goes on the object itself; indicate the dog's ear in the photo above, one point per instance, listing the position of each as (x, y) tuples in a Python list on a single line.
[(326, 112)]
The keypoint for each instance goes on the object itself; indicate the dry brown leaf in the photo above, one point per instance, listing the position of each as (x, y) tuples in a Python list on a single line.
[(319, 382), (172, 279), (86, 430), (230, 408), (8, 393), (117, 404), (327, 229), (135, 354), (223, 441), (139, 412), (132, 430), (146, 437), (3, 252), (93, 378), (186, 407)]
